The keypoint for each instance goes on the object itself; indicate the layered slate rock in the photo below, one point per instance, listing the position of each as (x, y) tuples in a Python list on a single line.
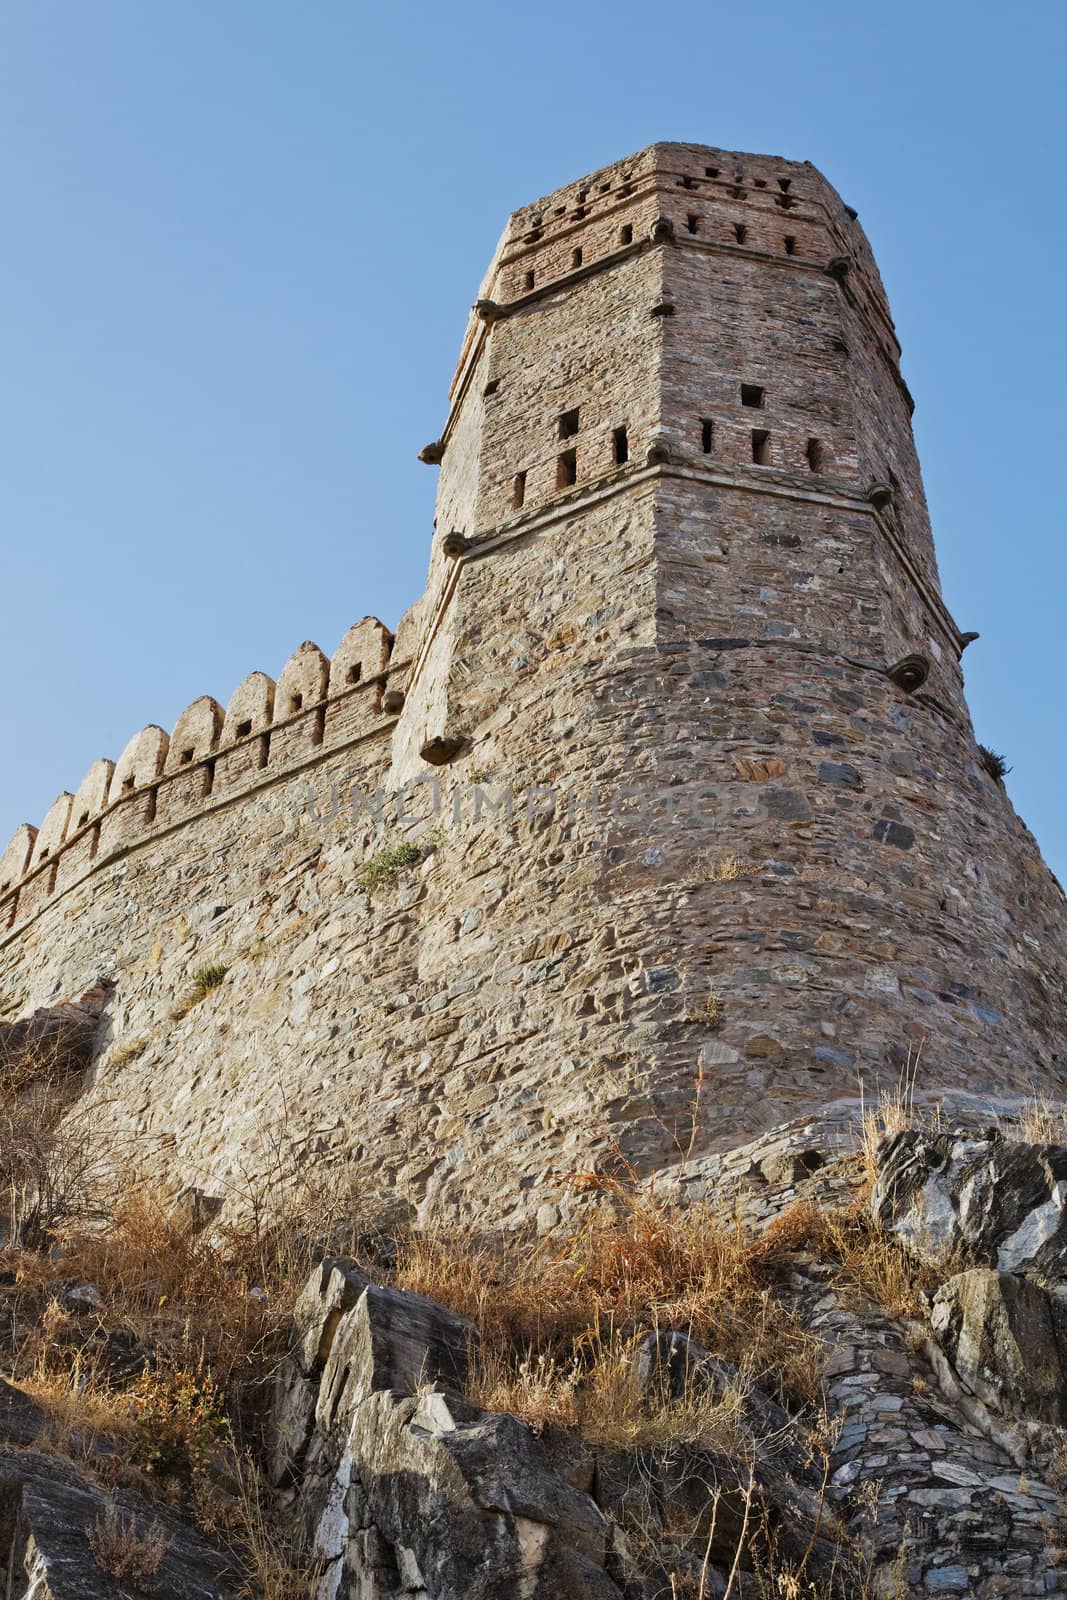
[(1006, 1338), (403, 1487), (985, 1199), (48, 1512)]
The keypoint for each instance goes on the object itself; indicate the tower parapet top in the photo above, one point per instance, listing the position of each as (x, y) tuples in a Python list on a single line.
[(719, 199)]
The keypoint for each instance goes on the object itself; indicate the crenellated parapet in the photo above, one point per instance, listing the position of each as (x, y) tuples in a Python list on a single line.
[(211, 755)]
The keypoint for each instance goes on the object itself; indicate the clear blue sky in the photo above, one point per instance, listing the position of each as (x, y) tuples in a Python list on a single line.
[(239, 244)]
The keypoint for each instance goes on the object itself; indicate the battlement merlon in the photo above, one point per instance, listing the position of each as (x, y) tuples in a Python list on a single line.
[(161, 779)]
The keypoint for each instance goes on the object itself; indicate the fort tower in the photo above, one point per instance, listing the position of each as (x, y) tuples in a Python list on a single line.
[(683, 632)]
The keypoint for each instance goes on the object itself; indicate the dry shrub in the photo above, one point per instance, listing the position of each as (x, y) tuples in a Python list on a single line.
[(726, 870), (123, 1551), (710, 1011), (50, 1172), (178, 1422)]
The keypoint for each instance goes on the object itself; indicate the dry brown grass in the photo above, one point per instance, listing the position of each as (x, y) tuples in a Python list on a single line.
[(872, 1263), (559, 1322), (602, 1393), (555, 1316), (894, 1111), (164, 1385), (204, 979), (727, 869), (191, 1422), (129, 1052), (1041, 1121), (275, 1562)]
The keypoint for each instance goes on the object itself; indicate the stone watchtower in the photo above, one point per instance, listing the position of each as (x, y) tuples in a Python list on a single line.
[(712, 801), (683, 551)]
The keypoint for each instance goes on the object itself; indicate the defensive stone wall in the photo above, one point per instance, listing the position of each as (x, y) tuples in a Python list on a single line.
[(212, 759)]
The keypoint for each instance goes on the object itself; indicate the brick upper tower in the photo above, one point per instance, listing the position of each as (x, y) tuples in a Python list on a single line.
[(682, 545)]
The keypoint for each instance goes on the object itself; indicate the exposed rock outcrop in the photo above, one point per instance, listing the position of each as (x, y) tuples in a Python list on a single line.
[(404, 1487), (1006, 1338), (55, 1039), (979, 1199)]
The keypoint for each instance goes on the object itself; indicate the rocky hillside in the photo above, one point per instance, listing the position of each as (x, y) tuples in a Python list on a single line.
[(828, 1364)]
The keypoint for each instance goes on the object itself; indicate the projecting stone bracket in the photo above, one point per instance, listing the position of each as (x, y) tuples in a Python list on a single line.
[(441, 749), (659, 452), (489, 311), (393, 702), (433, 454), (661, 231), (909, 673), (455, 544), (880, 495), (838, 268)]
